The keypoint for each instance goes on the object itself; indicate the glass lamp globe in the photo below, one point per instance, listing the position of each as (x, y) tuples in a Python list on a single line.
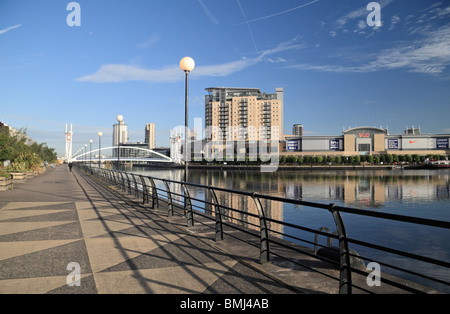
[(187, 64)]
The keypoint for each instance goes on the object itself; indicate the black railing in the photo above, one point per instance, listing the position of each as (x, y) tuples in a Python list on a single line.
[(179, 201)]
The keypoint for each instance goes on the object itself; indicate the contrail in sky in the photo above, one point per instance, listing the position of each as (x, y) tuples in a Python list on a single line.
[(248, 25), (2, 31), (208, 13), (279, 13)]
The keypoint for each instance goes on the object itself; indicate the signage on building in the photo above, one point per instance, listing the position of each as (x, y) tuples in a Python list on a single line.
[(334, 144), (393, 143), (442, 142), (292, 145)]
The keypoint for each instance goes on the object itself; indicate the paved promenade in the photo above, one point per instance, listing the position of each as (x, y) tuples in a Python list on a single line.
[(63, 217), (61, 222)]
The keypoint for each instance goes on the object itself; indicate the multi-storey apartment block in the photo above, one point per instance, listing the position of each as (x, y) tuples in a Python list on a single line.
[(243, 114)]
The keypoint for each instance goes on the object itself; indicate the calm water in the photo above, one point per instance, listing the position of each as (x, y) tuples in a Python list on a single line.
[(418, 193)]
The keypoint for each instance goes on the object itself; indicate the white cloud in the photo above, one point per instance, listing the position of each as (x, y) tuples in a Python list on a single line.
[(2, 31), (149, 42), (430, 55), (394, 20), (112, 73), (361, 12)]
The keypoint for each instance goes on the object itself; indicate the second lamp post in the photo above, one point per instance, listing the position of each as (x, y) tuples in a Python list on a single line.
[(187, 64)]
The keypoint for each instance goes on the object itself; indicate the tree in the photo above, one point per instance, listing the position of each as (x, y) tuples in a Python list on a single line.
[(389, 158), (409, 158), (14, 148)]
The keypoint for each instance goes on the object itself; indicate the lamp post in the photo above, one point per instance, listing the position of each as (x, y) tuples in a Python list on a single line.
[(90, 152), (187, 64), (99, 146), (119, 119), (85, 156)]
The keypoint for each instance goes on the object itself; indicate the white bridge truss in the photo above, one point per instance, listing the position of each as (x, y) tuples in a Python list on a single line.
[(127, 153)]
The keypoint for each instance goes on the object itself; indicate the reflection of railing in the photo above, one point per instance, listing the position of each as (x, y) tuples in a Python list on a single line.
[(146, 187)]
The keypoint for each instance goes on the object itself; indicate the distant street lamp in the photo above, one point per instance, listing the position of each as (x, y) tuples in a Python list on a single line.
[(90, 152), (85, 156), (99, 146), (187, 64)]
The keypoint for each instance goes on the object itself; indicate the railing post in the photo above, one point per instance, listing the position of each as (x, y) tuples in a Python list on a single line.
[(144, 190), (122, 183), (264, 235), (218, 215), (154, 193), (136, 189), (115, 180), (128, 184), (188, 206), (169, 199), (345, 279)]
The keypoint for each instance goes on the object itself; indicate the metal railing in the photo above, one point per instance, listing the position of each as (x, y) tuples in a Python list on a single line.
[(176, 194)]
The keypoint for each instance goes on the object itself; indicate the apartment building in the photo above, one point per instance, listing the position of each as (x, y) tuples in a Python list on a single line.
[(243, 114), (150, 135)]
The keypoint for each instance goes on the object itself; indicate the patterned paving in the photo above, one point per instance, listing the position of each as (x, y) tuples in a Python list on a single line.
[(65, 217)]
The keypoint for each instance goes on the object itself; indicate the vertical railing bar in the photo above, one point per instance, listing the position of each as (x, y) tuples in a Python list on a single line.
[(136, 189), (188, 206), (155, 199), (169, 199), (144, 190), (218, 215), (122, 183), (128, 183), (345, 277), (264, 235)]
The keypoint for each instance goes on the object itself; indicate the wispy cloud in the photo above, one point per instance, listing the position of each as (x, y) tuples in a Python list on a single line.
[(430, 55), (113, 73), (360, 12), (149, 42), (2, 31)]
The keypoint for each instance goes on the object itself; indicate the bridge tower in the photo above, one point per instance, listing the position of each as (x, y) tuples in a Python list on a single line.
[(69, 133)]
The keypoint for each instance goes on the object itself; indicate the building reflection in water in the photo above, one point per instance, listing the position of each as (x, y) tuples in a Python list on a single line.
[(371, 189)]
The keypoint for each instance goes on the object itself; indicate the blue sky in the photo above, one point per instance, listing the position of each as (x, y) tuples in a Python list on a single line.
[(336, 70)]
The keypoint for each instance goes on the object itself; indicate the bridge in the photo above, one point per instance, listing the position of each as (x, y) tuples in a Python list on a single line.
[(127, 154)]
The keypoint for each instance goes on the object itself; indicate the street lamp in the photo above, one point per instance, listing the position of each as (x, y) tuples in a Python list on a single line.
[(187, 64), (85, 156), (99, 146), (119, 119), (90, 152)]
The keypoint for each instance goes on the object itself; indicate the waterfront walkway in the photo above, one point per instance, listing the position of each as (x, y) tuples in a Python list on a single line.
[(60, 222), (64, 217)]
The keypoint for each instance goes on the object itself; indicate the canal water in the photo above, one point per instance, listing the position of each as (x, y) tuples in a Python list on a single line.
[(417, 193)]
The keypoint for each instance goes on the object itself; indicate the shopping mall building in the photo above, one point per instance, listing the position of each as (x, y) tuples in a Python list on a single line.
[(368, 141)]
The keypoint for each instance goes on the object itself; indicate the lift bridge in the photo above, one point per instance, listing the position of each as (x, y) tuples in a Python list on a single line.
[(135, 155), (123, 153)]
